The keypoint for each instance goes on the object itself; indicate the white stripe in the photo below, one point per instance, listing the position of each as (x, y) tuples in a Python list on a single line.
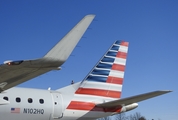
[(109, 56), (101, 85), (113, 50), (101, 68), (123, 48), (92, 98), (120, 61), (115, 73), (110, 63), (98, 75), (116, 45)]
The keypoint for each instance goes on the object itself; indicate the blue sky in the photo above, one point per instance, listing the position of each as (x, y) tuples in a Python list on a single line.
[(28, 29)]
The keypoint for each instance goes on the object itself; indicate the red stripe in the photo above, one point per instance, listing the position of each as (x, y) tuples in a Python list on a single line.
[(81, 105), (118, 67), (124, 43), (114, 80), (89, 106), (121, 55), (99, 92)]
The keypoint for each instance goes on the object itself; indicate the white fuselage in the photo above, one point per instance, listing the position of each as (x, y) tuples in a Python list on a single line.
[(30, 104), (36, 104)]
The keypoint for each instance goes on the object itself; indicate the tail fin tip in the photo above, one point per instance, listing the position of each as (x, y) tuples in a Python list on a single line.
[(106, 78)]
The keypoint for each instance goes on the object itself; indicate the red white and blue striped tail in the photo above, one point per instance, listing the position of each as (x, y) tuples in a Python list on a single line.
[(106, 78)]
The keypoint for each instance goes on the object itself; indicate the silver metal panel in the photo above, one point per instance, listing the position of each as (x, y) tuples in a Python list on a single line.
[(57, 105)]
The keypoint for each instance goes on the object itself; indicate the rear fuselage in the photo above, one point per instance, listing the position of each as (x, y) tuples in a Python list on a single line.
[(36, 104)]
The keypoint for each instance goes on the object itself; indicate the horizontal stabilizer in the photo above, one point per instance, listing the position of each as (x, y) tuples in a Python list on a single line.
[(133, 99)]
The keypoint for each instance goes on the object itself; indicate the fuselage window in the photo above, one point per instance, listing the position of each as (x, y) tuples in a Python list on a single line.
[(41, 101), (6, 98), (18, 99), (30, 100)]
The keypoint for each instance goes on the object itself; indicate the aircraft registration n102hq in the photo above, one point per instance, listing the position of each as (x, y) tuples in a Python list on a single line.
[(97, 95)]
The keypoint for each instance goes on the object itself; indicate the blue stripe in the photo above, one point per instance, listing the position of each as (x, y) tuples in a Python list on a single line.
[(115, 48), (106, 59), (111, 54), (96, 78), (100, 72), (102, 65), (118, 42)]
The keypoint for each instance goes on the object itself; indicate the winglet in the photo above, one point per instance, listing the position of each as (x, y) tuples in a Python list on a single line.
[(62, 50)]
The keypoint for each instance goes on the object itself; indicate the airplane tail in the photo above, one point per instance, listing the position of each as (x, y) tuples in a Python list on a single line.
[(106, 78), (101, 89)]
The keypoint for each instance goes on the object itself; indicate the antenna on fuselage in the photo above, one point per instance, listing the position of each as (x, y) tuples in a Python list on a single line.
[(72, 82)]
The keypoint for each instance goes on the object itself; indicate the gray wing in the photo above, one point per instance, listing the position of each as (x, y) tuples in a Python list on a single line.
[(13, 73)]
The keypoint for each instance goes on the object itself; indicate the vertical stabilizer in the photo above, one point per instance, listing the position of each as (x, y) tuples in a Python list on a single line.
[(106, 78), (65, 46)]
